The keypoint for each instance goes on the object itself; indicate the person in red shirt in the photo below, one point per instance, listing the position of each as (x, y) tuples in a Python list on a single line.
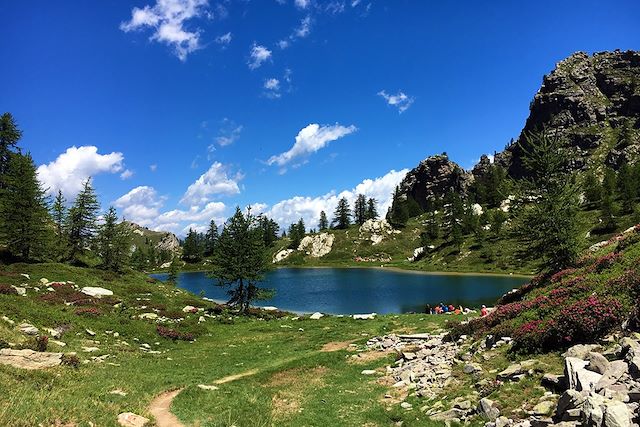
[(484, 311)]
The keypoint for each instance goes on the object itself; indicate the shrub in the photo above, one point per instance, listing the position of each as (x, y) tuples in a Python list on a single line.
[(7, 289), (518, 294), (560, 274), (605, 261), (172, 334), (66, 294), (535, 336), (88, 311), (71, 360), (506, 312), (470, 328), (628, 281), (588, 319)]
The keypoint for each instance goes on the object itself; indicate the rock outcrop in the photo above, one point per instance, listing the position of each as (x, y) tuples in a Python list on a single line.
[(29, 359), (433, 178), (317, 245), (593, 102), (376, 230)]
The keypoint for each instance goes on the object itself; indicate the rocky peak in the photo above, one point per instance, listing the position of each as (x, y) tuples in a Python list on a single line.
[(588, 100), (433, 178)]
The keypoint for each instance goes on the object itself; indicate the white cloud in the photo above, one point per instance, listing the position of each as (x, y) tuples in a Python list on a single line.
[(288, 211), (167, 18), (179, 221), (140, 205), (224, 39), (304, 29), (228, 134), (302, 4), (283, 44), (215, 181), (153, 167), (309, 140), (69, 171), (258, 55), (272, 84), (400, 100), (126, 174)]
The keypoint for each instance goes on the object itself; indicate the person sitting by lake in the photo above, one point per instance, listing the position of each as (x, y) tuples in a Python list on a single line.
[(437, 310), (484, 311), (451, 308), (428, 309)]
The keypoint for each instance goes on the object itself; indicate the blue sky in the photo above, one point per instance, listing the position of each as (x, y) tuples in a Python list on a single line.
[(183, 109)]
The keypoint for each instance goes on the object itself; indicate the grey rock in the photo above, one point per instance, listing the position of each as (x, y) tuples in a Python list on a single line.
[(581, 351), (597, 362), (544, 408), (570, 399), (592, 414), (472, 368), (487, 408), (614, 372), (450, 415), (617, 415), (28, 329), (578, 377), (29, 359)]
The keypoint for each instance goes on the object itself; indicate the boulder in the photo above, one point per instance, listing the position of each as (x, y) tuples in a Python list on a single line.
[(20, 290), (617, 414), (189, 309), (581, 351), (369, 316), (317, 315), (377, 229), (591, 413), (96, 292), (512, 372), (472, 368), (28, 329), (578, 377), (317, 245), (614, 372), (129, 419), (282, 255), (544, 408), (29, 359), (570, 399), (597, 362), (451, 416), (487, 408)]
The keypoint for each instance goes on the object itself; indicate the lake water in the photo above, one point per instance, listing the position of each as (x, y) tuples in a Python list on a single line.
[(362, 290)]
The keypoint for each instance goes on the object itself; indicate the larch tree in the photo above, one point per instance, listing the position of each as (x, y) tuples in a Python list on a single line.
[(114, 242), (342, 215), (81, 221), (372, 209), (24, 214), (59, 215), (323, 224), (10, 134), (360, 209), (241, 260)]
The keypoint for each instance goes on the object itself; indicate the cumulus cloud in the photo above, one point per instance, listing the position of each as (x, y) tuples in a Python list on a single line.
[(215, 181), (290, 210), (141, 205), (305, 27), (258, 55), (272, 84), (126, 174), (302, 4), (309, 140), (167, 19), (224, 39), (69, 171), (400, 100), (153, 167)]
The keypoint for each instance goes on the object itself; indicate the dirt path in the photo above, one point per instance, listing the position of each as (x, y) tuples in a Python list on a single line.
[(160, 409), (161, 405)]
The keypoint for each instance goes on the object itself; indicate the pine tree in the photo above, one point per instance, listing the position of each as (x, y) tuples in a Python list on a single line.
[(24, 215), (138, 259), (342, 215), (211, 238), (549, 227), (192, 249), (172, 276), (296, 234), (81, 221), (592, 190), (372, 209), (398, 213), (9, 137), (433, 227), (114, 242), (323, 224), (270, 230), (59, 215), (627, 187), (360, 209), (241, 260)]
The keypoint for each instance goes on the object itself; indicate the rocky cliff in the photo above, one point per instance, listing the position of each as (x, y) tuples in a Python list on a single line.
[(159, 240), (593, 102)]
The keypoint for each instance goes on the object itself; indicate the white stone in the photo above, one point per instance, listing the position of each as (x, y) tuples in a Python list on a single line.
[(25, 275), (166, 265), (368, 372), (29, 359), (369, 316), (270, 308), (617, 414), (318, 245), (150, 316), (20, 290), (317, 315), (129, 419), (90, 349), (189, 309), (476, 209), (96, 292), (28, 329), (44, 281), (282, 255), (118, 392), (416, 253)]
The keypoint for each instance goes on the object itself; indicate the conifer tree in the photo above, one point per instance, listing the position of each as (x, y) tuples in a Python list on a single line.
[(627, 187), (360, 209), (211, 238), (81, 221), (192, 249), (592, 189), (172, 276), (114, 242), (372, 209), (59, 215), (24, 215), (342, 215), (138, 259), (296, 234), (270, 230), (398, 213), (323, 224), (549, 227), (241, 260), (9, 137)]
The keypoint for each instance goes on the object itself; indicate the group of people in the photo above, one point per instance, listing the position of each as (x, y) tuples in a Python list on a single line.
[(451, 309)]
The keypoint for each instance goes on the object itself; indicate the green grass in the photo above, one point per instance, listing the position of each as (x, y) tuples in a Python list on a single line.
[(295, 383)]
